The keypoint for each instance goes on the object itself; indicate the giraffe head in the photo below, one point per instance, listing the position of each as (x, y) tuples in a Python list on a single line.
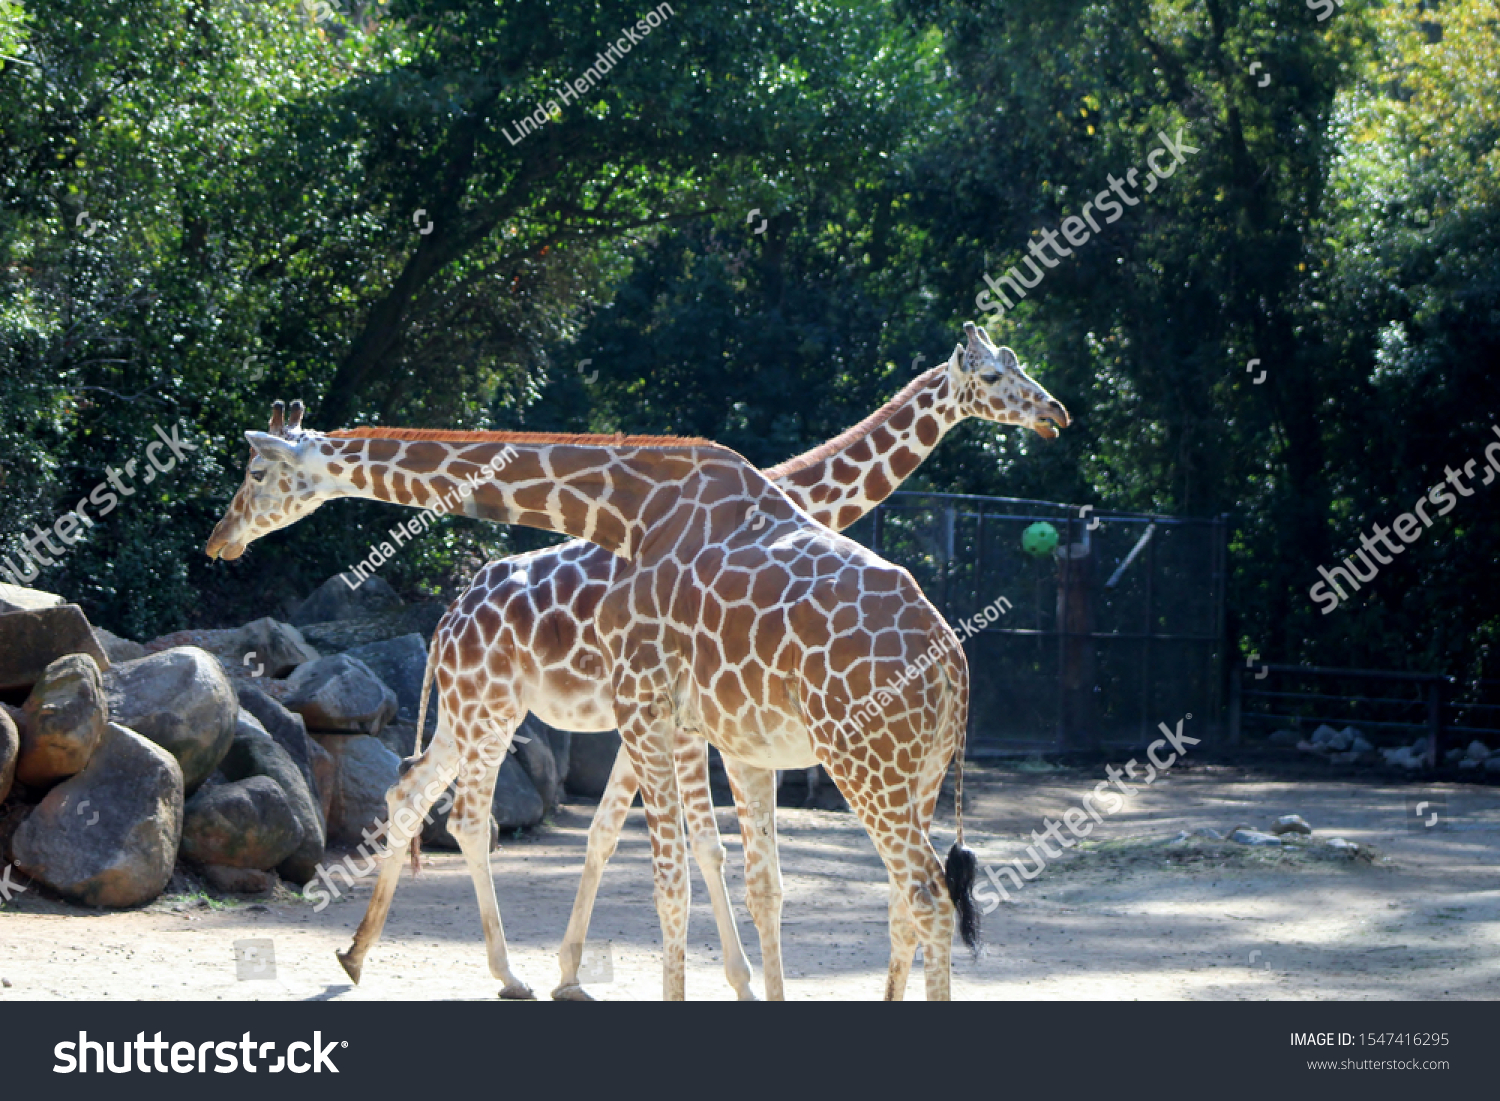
[(988, 383), (280, 486)]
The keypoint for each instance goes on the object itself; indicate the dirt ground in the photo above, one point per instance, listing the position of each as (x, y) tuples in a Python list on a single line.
[(1140, 914)]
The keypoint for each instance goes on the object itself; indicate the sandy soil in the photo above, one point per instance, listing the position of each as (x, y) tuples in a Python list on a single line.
[(1138, 915)]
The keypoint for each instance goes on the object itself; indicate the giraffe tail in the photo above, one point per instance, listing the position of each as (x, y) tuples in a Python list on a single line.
[(961, 869), (416, 749)]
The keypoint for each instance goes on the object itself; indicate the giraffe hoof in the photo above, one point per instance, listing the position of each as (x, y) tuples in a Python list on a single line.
[(571, 993), (351, 967), (517, 992)]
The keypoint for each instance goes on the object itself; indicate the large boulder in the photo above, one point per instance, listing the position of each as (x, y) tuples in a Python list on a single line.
[(363, 771), (242, 824), (108, 836), (533, 749), (119, 649), (324, 776), (340, 693), (335, 599), (263, 648), (66, 714), (32, 640), (17, 598), (10, 749), (400, 663), (255, 753), (561, 742), (517, 803), (341, 634), (286, 729), (590, 759), (182, 701)]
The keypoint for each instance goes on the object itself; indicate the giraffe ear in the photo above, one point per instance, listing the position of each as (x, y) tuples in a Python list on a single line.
[(1008, 360), (272, 448), (978, 338)]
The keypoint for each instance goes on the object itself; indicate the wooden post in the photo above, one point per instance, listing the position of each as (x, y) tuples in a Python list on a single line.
[(1236, 687), (1434, 722)]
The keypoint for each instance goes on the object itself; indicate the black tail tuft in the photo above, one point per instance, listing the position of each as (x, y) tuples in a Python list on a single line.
[(960, 872)]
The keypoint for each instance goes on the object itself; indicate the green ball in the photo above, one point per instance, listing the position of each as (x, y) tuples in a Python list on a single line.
[(1039, 539)]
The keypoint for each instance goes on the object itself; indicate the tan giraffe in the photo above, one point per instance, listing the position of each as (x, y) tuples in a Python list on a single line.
[(227, 540)]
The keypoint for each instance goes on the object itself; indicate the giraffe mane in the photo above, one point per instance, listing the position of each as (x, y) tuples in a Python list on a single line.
[(851, 435), (442, 435)]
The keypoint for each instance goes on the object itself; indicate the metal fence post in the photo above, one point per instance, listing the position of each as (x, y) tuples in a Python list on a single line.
[(1234, 706)]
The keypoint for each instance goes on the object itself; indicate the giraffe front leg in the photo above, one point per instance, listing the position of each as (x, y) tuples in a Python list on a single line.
[(469, 823), (650, 743), (604, 834), (423, 782), (691, 754), (755, 799)]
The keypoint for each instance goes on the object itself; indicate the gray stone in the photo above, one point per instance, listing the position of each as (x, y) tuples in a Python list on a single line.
[(1492, 764), (401, 664), (535, 755), (340, 693), (119, 649), (108, 836), (517, 803), (17, 598), (238, 881), (1325, 736), (255, 753), (1253, 837), (1290, 823), (1208, 833), (1338, 844), (363, 771), (1361, 745), (400, 738), (334, 599), (182, 701), (324, 774), (435, 833), (65, 717), (10, 749), (266, 644), (561, 742), (242, 824), (32, 640), (1477, 751), (590, 759), (339, 635), (286, 729)]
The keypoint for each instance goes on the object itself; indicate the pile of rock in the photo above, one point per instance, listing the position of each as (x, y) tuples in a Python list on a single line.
[(244, 752), (1349, 746), (1342, 747), (1475, 755)]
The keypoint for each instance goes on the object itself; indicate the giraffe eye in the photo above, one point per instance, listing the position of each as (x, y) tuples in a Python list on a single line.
[(257, 476), (990, 376)]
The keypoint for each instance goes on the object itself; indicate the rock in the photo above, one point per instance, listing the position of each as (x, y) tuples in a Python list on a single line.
[(273, 647), (1492, 764), (182, 701), (435, 833), (1290, 823), (108, 836), (286, 729), (399, 738), (1325, 735), (363, 771), (255, 753), (1253, 837), (340, 693), (10, 749), (1284, 738), (535, 755), (1361, 745), (1350, 735), (324, 776), (517, 803), (66, 714), (1308, 747), (1465, 762), (32, 640), (334, 599), (339, 635), (1406, 756), (119, 649), (590, 759), (238, 881), (15, 598), (242, 824), (1477, 751), (561, 742), (1349, 758), (1208, 833), (1338, 844), (400, 663)]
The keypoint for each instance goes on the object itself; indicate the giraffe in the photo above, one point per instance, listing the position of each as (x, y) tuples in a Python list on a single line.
[(624, 599)]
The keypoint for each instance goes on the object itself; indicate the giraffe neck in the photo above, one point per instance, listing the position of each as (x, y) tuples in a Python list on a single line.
[(599, 490), (843, 479)]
